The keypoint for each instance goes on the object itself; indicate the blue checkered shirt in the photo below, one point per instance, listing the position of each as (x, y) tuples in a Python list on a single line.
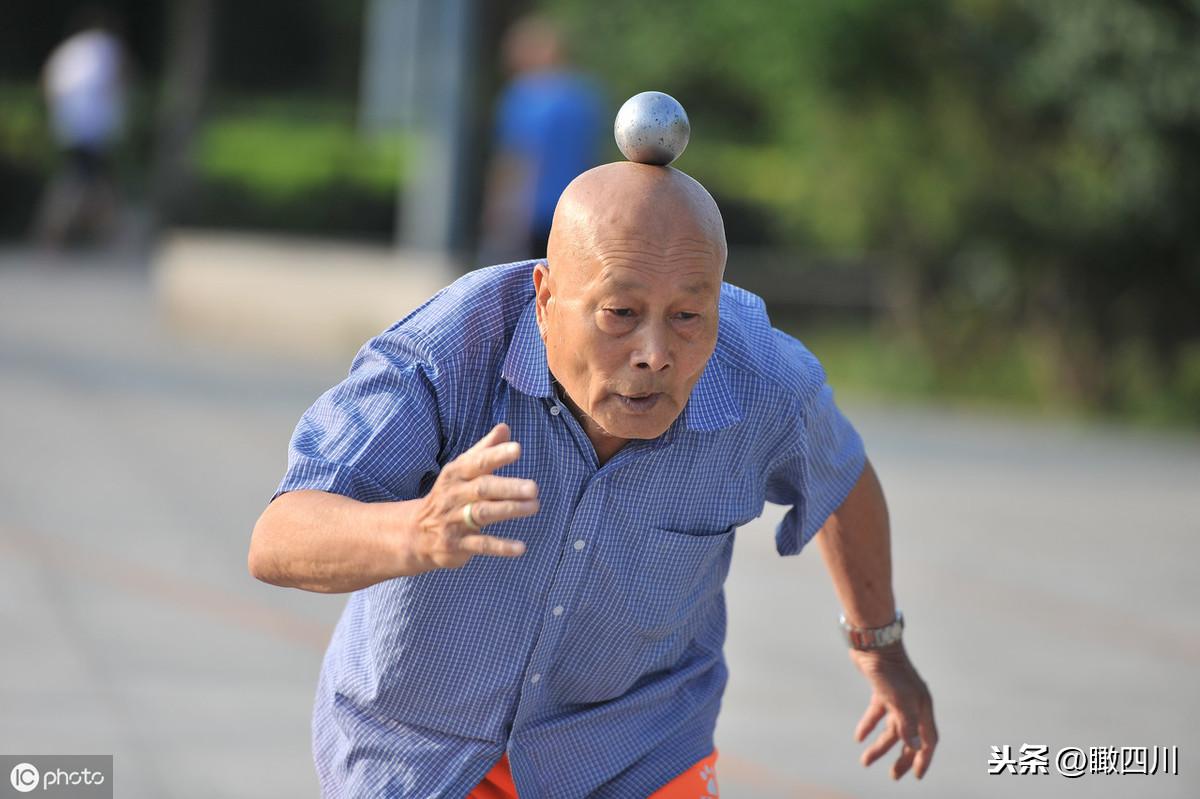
[(595, 659)]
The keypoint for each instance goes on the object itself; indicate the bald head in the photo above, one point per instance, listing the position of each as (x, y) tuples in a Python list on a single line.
[(629, 305), (625, 211)]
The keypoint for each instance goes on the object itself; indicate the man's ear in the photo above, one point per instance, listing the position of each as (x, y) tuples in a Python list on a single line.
[(543, 293)]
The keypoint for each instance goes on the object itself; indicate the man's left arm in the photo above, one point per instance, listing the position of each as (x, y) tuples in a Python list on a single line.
[(855, 545), (836, 500)]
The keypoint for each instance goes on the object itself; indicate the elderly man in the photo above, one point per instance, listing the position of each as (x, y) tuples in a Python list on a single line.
[(531, 484)]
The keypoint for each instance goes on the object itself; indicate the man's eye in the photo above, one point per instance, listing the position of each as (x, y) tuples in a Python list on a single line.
[(685, 315), (624, 313)]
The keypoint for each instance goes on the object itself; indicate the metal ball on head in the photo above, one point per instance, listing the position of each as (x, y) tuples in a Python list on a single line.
[(652, 128)]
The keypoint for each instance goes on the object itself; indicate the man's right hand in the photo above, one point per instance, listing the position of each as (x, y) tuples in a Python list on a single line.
[(443, 539)]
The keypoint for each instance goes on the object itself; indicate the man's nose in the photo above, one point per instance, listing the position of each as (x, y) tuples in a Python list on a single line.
[(653, 352)]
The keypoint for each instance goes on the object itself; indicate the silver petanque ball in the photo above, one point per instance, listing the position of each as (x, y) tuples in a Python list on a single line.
[(652, 128)]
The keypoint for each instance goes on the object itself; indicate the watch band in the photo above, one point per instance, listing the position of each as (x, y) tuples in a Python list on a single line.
[(867, 638)]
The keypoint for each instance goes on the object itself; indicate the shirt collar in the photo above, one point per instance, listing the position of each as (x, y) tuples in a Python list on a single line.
[(711, 406), (525, 366)]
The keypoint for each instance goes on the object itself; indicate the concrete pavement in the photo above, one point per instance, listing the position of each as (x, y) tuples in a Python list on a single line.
[(1047, 571)]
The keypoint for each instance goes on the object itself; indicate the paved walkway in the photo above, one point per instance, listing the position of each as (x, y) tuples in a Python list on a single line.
[(1048, 573)]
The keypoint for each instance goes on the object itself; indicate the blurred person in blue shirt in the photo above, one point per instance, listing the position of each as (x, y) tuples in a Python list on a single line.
[(549, 125)]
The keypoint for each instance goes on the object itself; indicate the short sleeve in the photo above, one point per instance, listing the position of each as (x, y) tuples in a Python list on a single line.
[(376, 435), (816, 476)]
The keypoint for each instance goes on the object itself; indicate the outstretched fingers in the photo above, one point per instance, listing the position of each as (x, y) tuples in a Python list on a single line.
[(467, 497), (497, 435), (494, 512), (490, 486), (915, 733), (875, 711), (929, 739), (487, 455), (908, 751), (490, 545), (887, 738)]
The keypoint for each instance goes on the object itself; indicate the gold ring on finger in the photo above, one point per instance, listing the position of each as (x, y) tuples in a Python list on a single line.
[(468, 518)]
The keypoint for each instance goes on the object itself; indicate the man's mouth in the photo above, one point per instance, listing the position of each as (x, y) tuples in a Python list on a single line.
[(639, 403)]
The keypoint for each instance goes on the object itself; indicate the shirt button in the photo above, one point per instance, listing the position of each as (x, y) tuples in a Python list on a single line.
[(535, 678), (558, 609), (579, 544), (554, 410)]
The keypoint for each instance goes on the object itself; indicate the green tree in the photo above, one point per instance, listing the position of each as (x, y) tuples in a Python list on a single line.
[(1022, 169)]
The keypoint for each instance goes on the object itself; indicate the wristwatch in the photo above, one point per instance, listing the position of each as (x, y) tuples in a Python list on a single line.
[(867, 638)]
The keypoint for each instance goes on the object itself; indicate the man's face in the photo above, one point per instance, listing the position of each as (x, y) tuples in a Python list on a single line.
[(629, 328)]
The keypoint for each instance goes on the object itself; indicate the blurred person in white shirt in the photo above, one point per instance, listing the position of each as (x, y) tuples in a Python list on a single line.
[(84, 83)]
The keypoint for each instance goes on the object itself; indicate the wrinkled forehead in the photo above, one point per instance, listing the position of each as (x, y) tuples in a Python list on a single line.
[(682, 257), (674, 276), (639, 261)]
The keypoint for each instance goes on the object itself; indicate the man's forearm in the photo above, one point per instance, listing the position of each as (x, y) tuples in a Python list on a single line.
[(324, 542), (855, 544)]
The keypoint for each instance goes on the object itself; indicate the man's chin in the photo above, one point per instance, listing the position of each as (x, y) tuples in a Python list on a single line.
[(622, 426)]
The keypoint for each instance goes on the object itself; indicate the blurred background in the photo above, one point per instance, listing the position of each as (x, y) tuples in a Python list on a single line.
[(980, 215)]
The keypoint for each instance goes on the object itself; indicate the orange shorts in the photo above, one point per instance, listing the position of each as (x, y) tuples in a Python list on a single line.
[(698, 781)]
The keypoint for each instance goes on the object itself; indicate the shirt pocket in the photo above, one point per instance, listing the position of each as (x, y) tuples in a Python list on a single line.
[(672, 579)]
